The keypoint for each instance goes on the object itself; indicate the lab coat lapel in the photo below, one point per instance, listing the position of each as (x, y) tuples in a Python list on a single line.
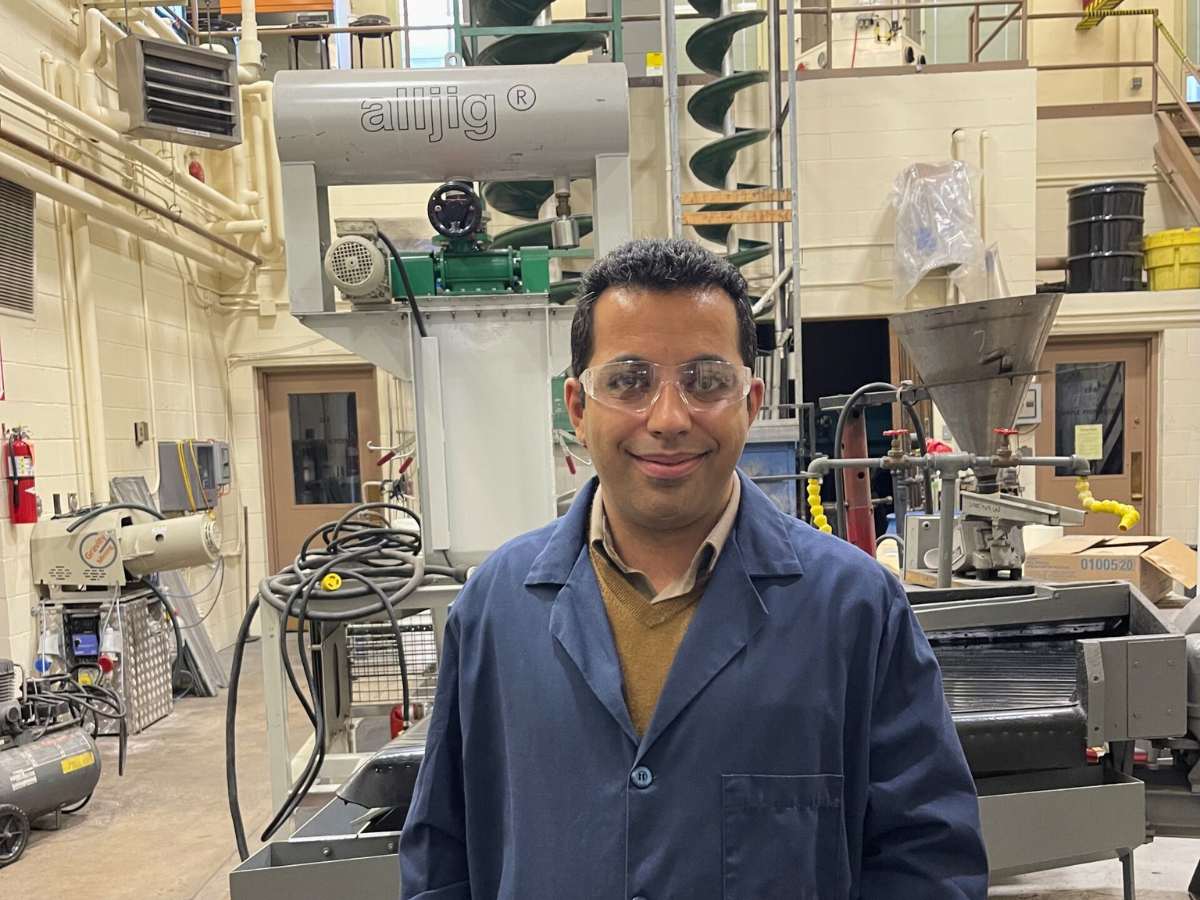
[(727, 616), (579, 621)]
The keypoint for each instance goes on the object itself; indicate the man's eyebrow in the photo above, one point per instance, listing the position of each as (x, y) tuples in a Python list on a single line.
[(637, 358)]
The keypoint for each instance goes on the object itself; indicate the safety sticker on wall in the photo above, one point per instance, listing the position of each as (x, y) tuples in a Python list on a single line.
[(654, 63)]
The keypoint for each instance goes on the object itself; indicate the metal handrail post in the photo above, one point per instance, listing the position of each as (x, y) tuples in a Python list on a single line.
[(1003, 24), (1024, 31), (670, 75), (794, 175), (773, 90), (828, 36), (618, 32), (1154, 74)]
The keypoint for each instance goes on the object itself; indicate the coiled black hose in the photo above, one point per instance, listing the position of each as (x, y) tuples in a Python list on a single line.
[(378, 566)]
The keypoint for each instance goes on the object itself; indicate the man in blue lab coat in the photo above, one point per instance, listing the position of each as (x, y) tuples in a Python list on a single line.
[(675, 690)]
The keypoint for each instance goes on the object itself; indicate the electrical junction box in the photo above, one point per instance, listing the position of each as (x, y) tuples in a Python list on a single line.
[(193, 472)]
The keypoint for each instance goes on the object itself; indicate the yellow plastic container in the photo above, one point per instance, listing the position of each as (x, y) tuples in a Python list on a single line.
[(1173, 259)]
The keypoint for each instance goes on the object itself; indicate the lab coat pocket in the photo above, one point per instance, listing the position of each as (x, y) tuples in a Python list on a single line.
[(784, 836)]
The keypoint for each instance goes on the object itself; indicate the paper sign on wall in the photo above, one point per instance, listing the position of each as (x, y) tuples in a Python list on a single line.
[(654, 63), (1089, 441)]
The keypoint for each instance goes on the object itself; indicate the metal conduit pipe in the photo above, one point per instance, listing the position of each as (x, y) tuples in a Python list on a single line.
[(946, 531), (75, 197), (761, 305), (92, 128), (109, 185)]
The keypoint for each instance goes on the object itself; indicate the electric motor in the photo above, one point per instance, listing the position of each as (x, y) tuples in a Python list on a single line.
[(358, 268)]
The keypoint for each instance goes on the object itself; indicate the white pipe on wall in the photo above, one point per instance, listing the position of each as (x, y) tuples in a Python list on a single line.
[(93, 397), (141, 252), (75, 197), (266, 160), (250, 47), (70, 309), (93, 128), (98, 30), (70, 305)]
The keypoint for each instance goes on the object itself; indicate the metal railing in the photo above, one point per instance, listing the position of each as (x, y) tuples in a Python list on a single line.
[(1017, 12)]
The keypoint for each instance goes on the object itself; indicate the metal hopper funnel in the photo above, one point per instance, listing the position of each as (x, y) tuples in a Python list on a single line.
[(977, 360)]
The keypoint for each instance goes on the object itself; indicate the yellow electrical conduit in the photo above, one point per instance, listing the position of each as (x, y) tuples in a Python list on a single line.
[(1129, 515), (819, 520)]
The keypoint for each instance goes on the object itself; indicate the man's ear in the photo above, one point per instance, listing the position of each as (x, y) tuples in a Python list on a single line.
[(573, 396), (754, 400)]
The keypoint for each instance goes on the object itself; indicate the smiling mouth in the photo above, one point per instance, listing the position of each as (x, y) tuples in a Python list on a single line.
[(663, 466)]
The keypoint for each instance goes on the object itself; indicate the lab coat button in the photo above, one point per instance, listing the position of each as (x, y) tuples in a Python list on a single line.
[(641, 778)]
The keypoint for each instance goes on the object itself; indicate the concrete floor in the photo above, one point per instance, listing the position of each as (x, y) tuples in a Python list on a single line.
[(163, 832)]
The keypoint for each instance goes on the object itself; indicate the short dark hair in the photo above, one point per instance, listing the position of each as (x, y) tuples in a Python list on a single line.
[(658, 264)]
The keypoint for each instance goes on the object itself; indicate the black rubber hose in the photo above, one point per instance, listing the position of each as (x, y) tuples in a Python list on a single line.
[(408, 288), (235, 677), (927, 481), (99, 511), (839, 484)]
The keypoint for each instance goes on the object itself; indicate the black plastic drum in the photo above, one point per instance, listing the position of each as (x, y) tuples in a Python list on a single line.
[(1104, 236)]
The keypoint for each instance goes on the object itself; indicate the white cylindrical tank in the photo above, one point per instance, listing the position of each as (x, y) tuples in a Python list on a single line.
[(489, 123), (156, 546)]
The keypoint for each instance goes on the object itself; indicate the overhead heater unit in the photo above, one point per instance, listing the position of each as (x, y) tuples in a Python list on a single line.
[(178, 93)]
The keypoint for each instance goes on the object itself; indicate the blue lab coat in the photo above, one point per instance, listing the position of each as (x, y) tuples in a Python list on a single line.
[(801, 747)]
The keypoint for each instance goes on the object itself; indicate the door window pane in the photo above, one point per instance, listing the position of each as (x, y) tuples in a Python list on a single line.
[(1089, 415), (325, 448)]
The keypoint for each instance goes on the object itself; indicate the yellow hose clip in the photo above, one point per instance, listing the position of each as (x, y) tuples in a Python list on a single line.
[(332, 581), (1129, 515), (819, 520)]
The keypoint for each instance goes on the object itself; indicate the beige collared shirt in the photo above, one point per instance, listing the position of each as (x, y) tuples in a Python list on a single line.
[(702, 563)]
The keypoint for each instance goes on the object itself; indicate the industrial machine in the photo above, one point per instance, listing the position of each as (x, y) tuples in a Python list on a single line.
[(1037, 678), (475, 327), (976, 362), (100, 608)]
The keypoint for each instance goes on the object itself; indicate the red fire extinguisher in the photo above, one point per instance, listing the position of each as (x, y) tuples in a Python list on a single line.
[(20, 475)]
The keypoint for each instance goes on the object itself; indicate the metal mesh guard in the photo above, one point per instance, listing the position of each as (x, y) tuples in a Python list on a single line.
[(375, 664)]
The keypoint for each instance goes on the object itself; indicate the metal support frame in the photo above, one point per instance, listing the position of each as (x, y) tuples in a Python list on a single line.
[(613, 27), (280, 760), (670, 76)]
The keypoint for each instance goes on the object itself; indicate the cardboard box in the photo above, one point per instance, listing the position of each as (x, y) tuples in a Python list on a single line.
[(1153, 564)]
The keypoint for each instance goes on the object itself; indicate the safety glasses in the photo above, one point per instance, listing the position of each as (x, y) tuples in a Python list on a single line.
[(634, 385)]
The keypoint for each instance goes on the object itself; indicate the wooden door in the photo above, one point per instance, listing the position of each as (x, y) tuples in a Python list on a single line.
[(315, 428), (1098, 401)]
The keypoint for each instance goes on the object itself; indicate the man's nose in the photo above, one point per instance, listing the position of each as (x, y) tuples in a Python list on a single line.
[(669, 414)]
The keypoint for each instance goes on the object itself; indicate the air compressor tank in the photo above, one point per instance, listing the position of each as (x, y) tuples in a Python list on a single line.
[(42, 776)]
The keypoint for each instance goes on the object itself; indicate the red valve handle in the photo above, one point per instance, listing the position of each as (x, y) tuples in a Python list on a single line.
[(570, 464), (1009, 431), (404, 465), (386, 458), (895, 432)]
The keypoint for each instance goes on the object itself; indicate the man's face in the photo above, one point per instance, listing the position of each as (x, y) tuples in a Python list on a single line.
[(670, 466)]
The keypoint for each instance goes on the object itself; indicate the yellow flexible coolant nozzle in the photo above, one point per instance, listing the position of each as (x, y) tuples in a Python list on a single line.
[(819, 519), (1129, 515)]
